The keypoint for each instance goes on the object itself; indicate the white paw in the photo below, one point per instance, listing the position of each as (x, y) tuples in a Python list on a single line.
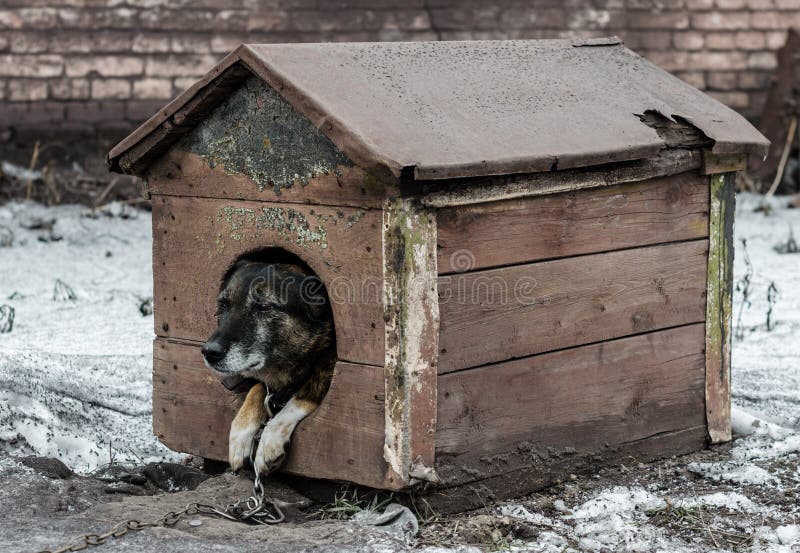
[(240, 443), (271, 450)]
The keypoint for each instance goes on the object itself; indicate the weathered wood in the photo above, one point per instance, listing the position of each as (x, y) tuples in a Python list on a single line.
[(412, 331), (183, 173), (718, 309), (160, 139), (522, 230), (676, 132), (490, 189), (531, 471), (581, 398), (342, 439), (195, 240), (498, 314), (255, 145), (723, 163)]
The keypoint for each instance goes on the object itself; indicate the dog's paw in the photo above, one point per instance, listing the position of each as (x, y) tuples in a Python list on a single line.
[(240, 443), (271, 450)]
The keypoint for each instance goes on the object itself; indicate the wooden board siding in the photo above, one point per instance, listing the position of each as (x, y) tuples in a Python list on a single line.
[(588, 221), (719, 307), (195, 240), (342, 439), (498, 314), (527, 469), (609, 393), (511, 428), (182, 173)]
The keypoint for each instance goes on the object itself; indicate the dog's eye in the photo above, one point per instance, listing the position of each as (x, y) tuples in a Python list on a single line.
[(266, 306), (222, 306)]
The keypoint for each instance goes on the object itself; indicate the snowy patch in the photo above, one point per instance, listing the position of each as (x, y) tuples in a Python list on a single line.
[(733, 501), (740, 473), (613, 521), (519, 512), (75, 375), (789, 534)]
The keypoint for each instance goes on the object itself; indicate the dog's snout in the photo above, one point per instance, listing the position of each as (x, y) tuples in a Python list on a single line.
[(213, 352)]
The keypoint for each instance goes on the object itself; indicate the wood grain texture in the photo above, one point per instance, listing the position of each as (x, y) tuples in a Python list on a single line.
[(412, 332), (526, 471), (723, 163), (719, 307), (182, 173), (587, 221), (498, 314), (342, 439), (581, 398), (195, 240), (491, 189)]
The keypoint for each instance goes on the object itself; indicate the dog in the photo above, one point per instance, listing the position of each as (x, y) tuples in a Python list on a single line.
[(275, 334)]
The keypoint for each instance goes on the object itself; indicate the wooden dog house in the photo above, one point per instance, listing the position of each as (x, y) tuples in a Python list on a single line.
[(528, 247)]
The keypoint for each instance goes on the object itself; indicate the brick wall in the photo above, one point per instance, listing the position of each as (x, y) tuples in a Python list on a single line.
[(102, 66)]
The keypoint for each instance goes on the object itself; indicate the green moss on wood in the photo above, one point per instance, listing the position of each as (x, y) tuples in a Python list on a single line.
[(719, 306), (290, 224), (257, 133)]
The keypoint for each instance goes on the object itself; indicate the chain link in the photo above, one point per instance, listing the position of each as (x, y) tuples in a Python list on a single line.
[(256, 509)]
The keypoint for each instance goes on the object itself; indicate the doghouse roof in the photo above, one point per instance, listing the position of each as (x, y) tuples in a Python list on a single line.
[(434, 110)]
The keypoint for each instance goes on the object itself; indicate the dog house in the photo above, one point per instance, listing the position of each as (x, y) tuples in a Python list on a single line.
[(527, 245)]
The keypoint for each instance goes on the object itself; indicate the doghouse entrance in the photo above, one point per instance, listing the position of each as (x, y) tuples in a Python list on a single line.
[(195, 242)]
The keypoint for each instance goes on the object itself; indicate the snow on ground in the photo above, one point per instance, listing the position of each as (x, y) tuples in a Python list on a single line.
[(76, 374)]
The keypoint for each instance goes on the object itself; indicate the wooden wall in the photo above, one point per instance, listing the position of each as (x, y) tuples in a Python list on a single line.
[(571, 324), (195, 239)]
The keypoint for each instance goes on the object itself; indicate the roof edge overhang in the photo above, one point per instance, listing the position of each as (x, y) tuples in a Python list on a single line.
[(135, 153), (138, 150)]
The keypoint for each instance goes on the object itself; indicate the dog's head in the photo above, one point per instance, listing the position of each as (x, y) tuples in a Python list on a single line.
[(273, 319)]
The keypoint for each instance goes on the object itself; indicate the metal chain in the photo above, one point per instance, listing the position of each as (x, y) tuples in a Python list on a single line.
[(256, 509)]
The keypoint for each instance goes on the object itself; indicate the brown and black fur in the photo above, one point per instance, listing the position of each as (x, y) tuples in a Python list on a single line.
[(275, 331)]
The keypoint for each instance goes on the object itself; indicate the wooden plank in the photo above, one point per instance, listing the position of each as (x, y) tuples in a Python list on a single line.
[(718, 310), (412, 332), (527, 474), (499, 314), (522, 230), (723, 163), (182, 173), (195, 240), (581, 398), (342, 439), (490, 189)]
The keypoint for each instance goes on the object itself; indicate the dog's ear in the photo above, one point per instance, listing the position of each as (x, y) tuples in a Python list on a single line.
[(314, 299)]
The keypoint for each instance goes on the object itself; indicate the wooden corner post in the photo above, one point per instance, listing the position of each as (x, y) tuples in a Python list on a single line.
[(411, 314), (719, 307)]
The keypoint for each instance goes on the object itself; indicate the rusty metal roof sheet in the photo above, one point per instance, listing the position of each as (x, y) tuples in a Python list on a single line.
[(436, 110)]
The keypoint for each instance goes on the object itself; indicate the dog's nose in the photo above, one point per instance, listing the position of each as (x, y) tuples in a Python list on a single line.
[(213, 352)]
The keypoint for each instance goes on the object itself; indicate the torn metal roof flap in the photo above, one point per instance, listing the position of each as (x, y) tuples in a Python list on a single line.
[(436, 110)]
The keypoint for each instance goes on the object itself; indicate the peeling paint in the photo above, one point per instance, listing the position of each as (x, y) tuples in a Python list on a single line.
[(257, 133), (290, 224), (412, 316), (718, 306)]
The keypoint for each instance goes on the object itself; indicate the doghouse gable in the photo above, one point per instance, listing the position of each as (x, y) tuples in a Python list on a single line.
[(527, 277)]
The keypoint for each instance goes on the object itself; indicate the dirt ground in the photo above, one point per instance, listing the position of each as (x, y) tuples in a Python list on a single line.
[(43, 511)]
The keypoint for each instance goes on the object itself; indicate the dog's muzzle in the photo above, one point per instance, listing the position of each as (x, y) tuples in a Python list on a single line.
[(213, 352)]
